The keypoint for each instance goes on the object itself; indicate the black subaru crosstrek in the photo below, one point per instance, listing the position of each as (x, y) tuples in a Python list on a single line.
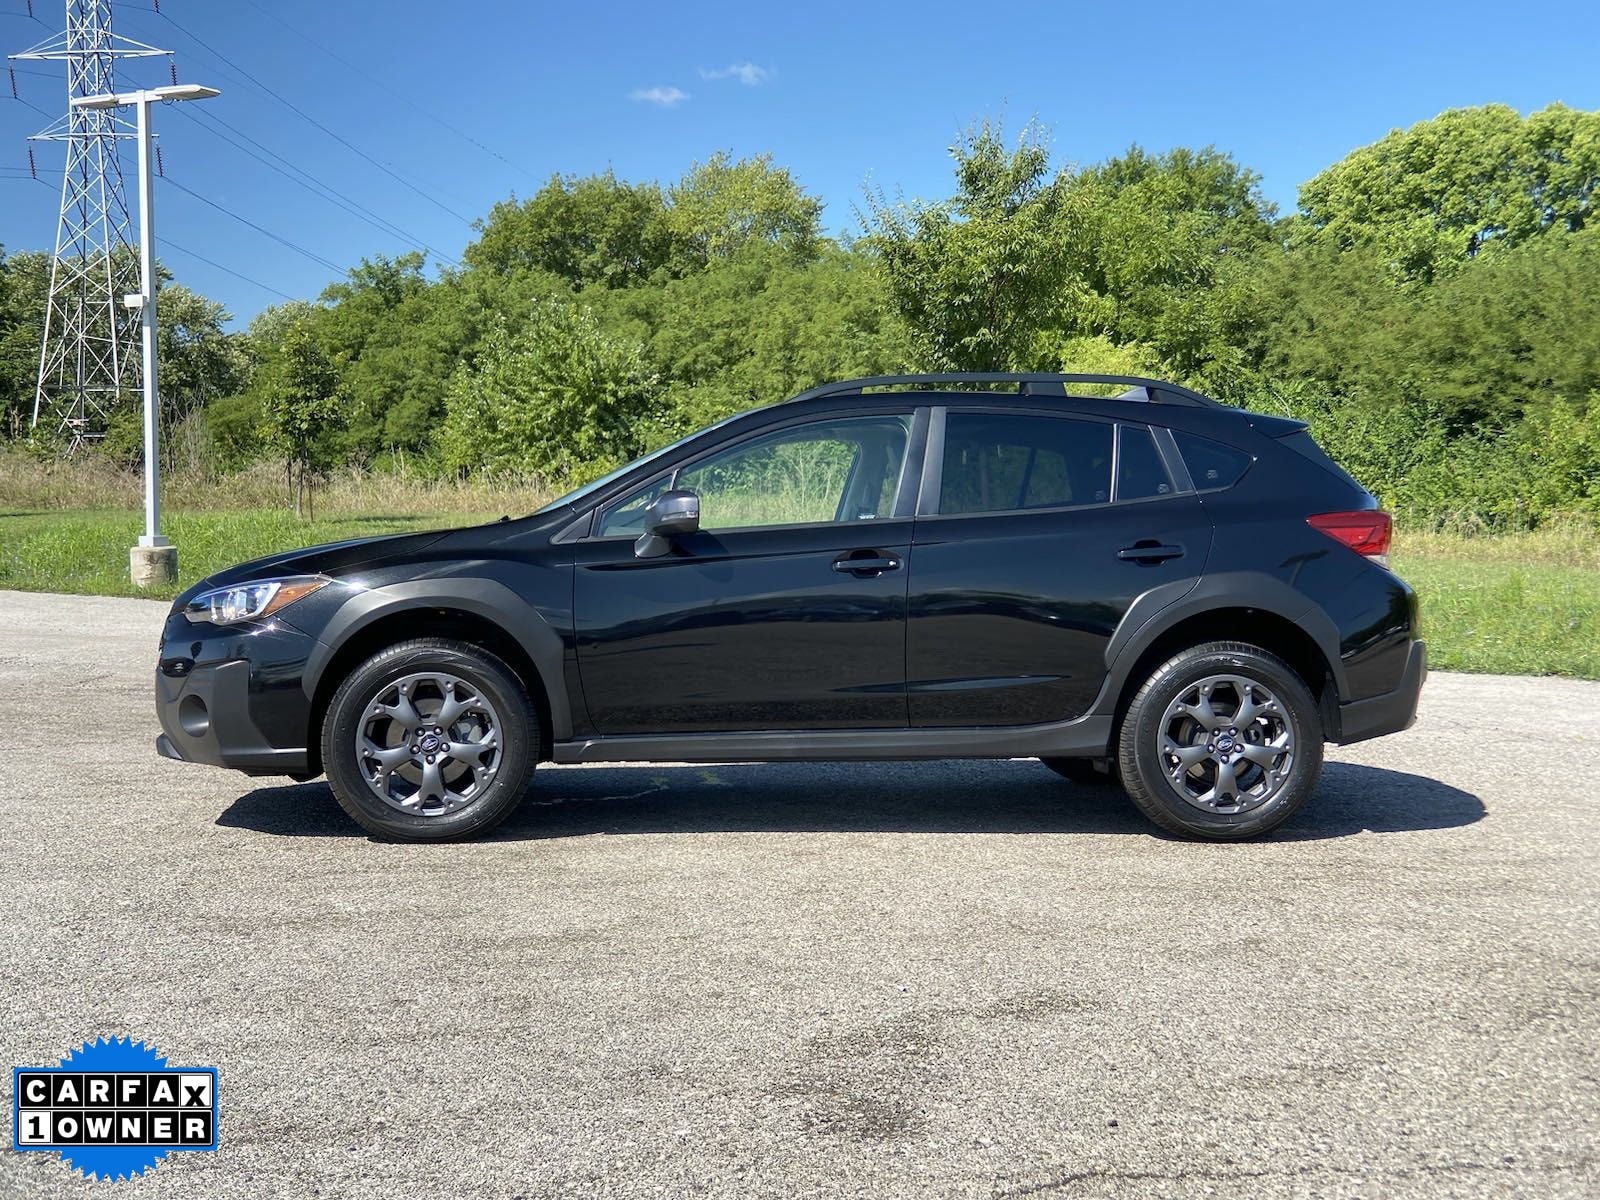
[(1154, 589)]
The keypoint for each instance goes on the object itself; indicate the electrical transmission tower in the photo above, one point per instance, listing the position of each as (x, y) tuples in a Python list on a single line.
[(90, 357)]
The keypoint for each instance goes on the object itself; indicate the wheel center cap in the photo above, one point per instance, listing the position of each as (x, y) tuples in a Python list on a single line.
[(430, 743), (1224, 743)]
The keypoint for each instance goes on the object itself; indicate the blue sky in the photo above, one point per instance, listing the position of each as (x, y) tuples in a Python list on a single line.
[(468, 102)]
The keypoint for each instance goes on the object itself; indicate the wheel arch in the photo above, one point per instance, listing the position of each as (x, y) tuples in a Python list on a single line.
[(1299, 634), (488, 615)]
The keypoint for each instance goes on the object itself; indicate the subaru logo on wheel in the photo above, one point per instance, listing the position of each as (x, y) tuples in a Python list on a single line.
[(430, 743)]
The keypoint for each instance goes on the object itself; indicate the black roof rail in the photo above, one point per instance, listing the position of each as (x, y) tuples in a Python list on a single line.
[(1029, 383)]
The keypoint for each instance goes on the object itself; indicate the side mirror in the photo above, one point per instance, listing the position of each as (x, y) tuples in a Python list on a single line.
[(673, 512), (668, 515)]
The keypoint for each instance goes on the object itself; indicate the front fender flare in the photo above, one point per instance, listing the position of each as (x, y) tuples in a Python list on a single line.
[(486, 598)]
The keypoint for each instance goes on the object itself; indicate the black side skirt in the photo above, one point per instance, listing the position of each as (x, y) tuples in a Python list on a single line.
[(1086, 737)]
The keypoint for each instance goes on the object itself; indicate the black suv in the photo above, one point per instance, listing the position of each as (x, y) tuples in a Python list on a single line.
[(1156, 589)]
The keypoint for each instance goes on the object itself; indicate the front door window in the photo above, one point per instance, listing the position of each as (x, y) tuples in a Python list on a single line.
[(838, 470)]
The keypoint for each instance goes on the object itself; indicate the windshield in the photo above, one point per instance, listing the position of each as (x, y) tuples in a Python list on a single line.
[(579, 494)]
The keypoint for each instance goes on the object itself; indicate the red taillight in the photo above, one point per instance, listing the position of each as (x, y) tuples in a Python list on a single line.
[(1367, 531)]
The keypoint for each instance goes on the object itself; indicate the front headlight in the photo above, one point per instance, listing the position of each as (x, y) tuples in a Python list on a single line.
[(251, 601)]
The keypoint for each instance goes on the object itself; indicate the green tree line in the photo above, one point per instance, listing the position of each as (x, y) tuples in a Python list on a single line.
[(1432, 307)]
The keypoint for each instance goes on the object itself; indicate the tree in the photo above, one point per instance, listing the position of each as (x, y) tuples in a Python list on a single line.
[(757, 328), (1166, 249), (200, 360), (722, 205), (1487, 344), (301, 398), (395, 338), (558, 399), (978, 277), (24, 281), (200, 363), (1433, 196), (591, 230)]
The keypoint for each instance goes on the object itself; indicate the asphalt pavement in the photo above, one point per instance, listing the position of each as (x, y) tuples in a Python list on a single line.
[(964, 979)]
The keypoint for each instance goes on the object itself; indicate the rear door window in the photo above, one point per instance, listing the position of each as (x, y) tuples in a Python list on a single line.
[(1009, 462), (1141, 473)]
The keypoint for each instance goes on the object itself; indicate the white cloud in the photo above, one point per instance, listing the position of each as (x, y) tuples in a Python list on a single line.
[(663, 97), (746, 73)]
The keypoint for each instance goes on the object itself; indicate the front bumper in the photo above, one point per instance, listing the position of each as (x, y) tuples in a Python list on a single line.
[(1390, 712), (232, 697)]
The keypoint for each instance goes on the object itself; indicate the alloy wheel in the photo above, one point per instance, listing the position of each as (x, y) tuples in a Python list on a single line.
[(429, 743), (1227, 744)]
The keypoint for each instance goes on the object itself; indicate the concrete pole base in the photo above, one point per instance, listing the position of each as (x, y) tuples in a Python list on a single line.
[(153, 566)]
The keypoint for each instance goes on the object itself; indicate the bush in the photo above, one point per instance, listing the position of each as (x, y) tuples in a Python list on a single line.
[(1542, 469), (558, 400)]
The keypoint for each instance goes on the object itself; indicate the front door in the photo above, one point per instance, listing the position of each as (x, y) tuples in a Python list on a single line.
[(785, 611)]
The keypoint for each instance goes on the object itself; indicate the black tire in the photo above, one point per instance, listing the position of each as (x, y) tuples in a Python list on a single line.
[(1143, 764), (1082, 771), (505, 783)]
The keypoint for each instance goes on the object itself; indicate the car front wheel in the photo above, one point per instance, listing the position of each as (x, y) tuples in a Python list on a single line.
[(430, 740), (1223, 742)]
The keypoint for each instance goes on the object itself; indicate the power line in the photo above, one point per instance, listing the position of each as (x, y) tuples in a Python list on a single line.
[(395, 92), (168, 243), (279, 238), (307, 117), (297, 174), (35, 107)]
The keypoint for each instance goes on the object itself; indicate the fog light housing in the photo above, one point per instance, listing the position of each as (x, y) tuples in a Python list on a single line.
[(193, 716)]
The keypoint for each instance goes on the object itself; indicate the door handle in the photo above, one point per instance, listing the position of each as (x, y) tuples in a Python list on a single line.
[(865, 563), (1149, 551)]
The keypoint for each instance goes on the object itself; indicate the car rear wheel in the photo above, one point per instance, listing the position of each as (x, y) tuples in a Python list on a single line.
[(1223, 742), (430, 740)]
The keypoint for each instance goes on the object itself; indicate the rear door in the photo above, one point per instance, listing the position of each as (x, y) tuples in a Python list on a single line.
[(1036, 531)]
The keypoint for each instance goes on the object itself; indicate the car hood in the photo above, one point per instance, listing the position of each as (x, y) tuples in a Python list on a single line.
[(334, 558)]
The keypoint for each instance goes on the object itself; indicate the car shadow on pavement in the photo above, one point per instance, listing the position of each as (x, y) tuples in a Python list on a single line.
[(984, 796)]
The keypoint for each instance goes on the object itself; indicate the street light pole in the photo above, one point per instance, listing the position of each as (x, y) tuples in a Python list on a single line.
[(155, 559), (152, 538)]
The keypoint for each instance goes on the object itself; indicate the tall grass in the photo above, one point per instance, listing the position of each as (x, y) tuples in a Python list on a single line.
[(1570, 543), (97, 483)]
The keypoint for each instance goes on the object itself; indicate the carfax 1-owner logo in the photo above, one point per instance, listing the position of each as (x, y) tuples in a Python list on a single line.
[(113, 1108)]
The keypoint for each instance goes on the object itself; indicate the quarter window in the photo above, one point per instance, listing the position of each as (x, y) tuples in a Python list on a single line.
[(1211, 464), (1004, 462)]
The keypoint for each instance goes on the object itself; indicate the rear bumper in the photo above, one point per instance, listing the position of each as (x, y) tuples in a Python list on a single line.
[(1390, 712)]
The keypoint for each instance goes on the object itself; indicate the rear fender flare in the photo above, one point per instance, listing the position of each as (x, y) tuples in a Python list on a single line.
[(1154, 613)]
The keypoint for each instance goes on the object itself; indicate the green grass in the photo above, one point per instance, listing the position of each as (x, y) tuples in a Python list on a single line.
[(1520, 604), (87, 552)]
